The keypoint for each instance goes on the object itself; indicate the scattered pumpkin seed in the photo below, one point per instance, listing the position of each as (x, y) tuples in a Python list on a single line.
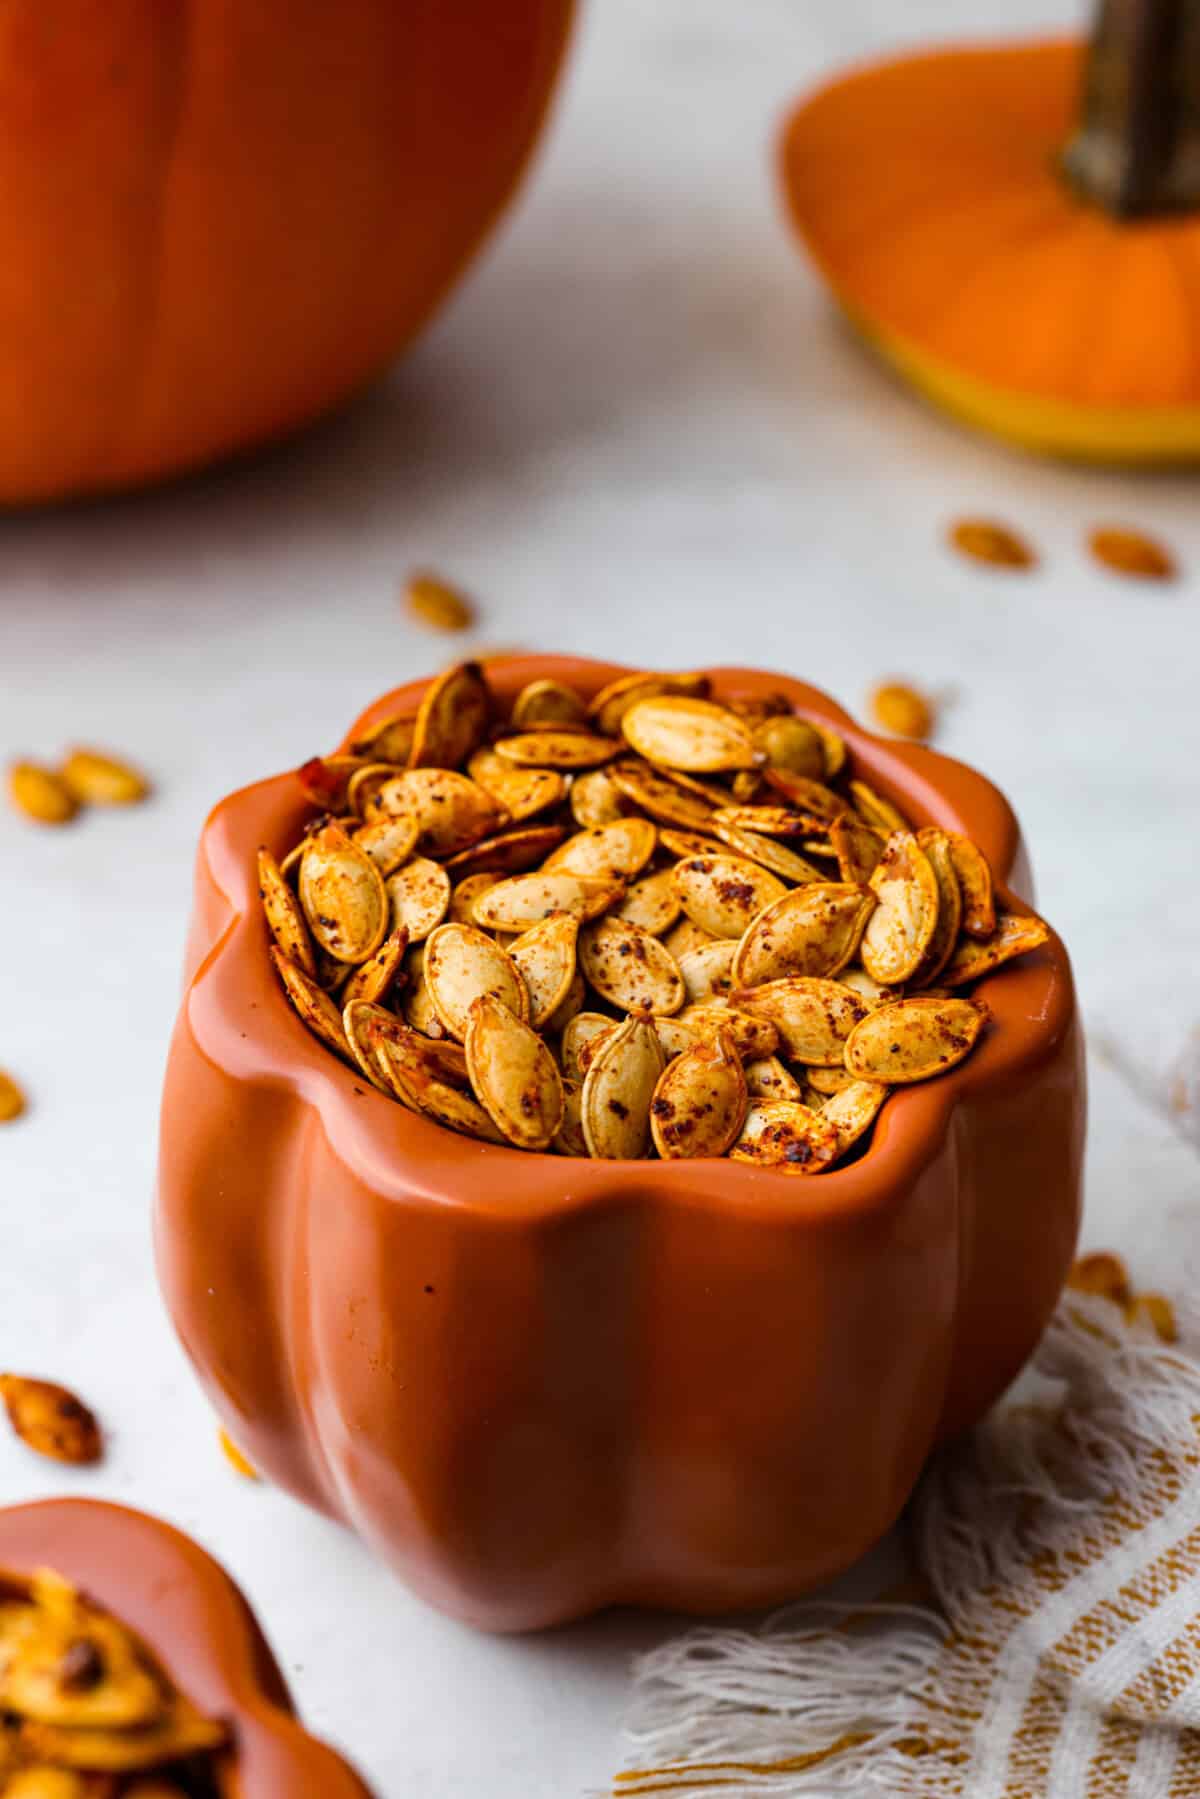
[(900, 709), (913, 1039), (98, 779), (40, 794), (435, 603), (237, 1460), (51, 1420), (12, 1099), (983, 540), (1128, 552)]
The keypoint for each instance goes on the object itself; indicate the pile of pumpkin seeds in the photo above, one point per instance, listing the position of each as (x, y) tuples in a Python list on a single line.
[(648, 924)]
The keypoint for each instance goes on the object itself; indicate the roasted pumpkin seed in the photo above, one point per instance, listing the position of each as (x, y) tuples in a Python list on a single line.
[(372, 979), (699, 1104), (452, 811), (596, 799), (389, 739), (558, 746), (513, 1074), (419, 897), (569, 1139), (547, 703), (775, 856), (613, 852), (452, 718), (284, 915), (825, 1082), (1015, 935), (524, 900), (783, 1134), (12, 1100), (464, 895), (900, 929), (98, 779), (723, 893), (612, 702), (463, 964), (545, 958), (663, 799), (814, 930), (706, 969), (767, 820), (858, 847), (389, 841), (853, 1111), (900, 709), (522, 792), (651, 903), (630, 968), (790, 742), (813, 1016), (805, 794), (568, 1007), (239, 1462), (50, 1420), (364, 784), (41, 794), (697, 736), (752, 1036), (343, 896), (437, 604), (509, 852), (913, 1039), (767, 1078), (936, 847), (875, 809), (325, 779), (975, 883), (618, 1089), (581, 1032)]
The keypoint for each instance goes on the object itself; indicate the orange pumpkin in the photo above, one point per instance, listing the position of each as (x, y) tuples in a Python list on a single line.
[(1017, 229), (220, 219), (540, 1385)]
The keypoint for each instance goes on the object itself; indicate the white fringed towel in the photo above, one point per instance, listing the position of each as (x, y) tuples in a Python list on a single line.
[(1059, 1657)]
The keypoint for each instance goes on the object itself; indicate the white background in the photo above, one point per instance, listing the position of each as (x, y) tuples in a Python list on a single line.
[(637, 431)]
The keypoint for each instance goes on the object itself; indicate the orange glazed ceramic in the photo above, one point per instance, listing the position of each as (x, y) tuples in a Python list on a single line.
[(221, 218), (539, 1385), (196, 1624)]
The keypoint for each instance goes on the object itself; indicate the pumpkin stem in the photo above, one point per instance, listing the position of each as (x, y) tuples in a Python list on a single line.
[(1137, 150)]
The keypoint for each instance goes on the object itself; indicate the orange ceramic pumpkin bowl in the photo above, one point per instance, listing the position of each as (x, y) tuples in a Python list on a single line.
[(221, 218), (538, 1386), (198, 1627)]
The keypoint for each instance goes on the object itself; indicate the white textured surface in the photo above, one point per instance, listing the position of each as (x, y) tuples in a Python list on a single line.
[(637, 431)]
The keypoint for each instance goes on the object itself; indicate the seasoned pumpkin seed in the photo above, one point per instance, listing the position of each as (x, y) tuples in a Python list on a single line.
[(314, 1006), (853, 1110), (569, 1139), (51, 1420), (876, 810), (364, 784), (685, 935), (568, 1007), (522, 792), (775, 856), (630, 968), (663, 799), (389, 841), (12, 1099), (98, 779), (723, 893), (41, 794), (547, 703), (858, 847), (834, 748), (419, 896), (618, 1089), (464, 895), (805, 794), (767, 1078), (433, 601), (389, 739), (452, 718), (936, 847), (813, 1016), (373, 979), (596, 799), (579, 1034), (699, 1104), (913, 1039), (814, 930), (901, 927), (783, 1134), (507, 853), (651, 903), (524, 900), (284, 915), (325, 779), (826, 1081), (613, 852), (612, 702), (558, 746), (513, 1074), (1015, 935), (545, 958), (706, 969), (752, 1036), (768, 820), (694, 735), (975, 883), (463, 964), (792, 743), (452, 811)]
